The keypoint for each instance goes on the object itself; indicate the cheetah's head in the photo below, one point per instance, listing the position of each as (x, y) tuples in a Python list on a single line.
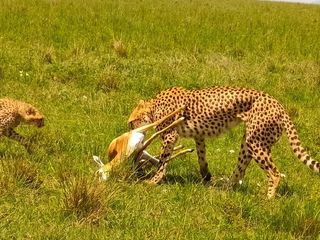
[(31, 115), (140, 115)]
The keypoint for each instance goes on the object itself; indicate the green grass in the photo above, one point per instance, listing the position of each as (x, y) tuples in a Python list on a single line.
[(85, 64)]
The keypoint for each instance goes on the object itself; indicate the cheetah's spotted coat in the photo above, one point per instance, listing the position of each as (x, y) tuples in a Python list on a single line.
[(209, 112), (12, 113)]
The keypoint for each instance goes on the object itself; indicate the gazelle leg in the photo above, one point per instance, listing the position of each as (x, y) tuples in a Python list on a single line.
[(174, 150), (145, 128), (180, 153), (146, 157), (149, 141)]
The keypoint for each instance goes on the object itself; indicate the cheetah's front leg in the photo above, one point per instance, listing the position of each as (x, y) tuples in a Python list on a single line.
[(168, 141), (10, 133)]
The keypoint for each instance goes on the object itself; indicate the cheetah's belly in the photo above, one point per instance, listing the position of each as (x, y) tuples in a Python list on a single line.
[(193, 128)]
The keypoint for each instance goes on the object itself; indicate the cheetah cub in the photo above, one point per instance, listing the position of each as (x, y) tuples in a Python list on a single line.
[(12, 113), (210, 112)]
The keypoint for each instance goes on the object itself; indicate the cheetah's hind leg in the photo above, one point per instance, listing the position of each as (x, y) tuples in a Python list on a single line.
[(201, 152), (263, 157)]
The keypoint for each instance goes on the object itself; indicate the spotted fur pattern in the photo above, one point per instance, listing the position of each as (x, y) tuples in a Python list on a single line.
[(12, 113), (210, 112)]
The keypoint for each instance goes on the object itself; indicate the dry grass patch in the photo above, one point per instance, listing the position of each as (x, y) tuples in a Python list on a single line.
[(309, 228), (17, 173), (88, 200), (5, 178), (25, 173), (119, 48), (108, 80), (48, 55)]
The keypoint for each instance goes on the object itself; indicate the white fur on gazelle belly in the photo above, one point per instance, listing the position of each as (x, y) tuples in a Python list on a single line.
[(135, 142)]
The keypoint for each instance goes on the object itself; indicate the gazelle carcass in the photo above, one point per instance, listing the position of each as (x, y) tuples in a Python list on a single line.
[(131, 146)]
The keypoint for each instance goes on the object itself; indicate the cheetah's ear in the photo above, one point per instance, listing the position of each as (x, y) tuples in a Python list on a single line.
[(139, 110), (143, 105), (141, 102)]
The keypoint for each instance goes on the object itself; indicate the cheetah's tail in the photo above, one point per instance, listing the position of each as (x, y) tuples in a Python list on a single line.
[(295, 143)]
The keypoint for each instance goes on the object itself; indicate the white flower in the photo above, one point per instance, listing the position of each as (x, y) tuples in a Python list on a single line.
[(231, 151)]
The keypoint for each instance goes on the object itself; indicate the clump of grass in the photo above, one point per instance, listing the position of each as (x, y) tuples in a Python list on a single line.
[(26, 174), (4, 182), (45, 143), (108, 80), (48, 56), (293, 112), (119, 48), (1, 73), (87, 200), (308, 228), (237, 53), (128, 171), (64, 175), (5, 179)]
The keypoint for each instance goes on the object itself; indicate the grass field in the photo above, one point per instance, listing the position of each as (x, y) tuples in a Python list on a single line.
[(85, 64)]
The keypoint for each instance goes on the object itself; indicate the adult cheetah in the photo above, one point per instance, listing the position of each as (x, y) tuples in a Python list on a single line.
[(210, 112), (12, 113)]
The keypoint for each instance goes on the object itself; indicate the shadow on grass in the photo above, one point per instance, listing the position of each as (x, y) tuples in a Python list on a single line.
[(285, 190), (183, 180), (217, 182)]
